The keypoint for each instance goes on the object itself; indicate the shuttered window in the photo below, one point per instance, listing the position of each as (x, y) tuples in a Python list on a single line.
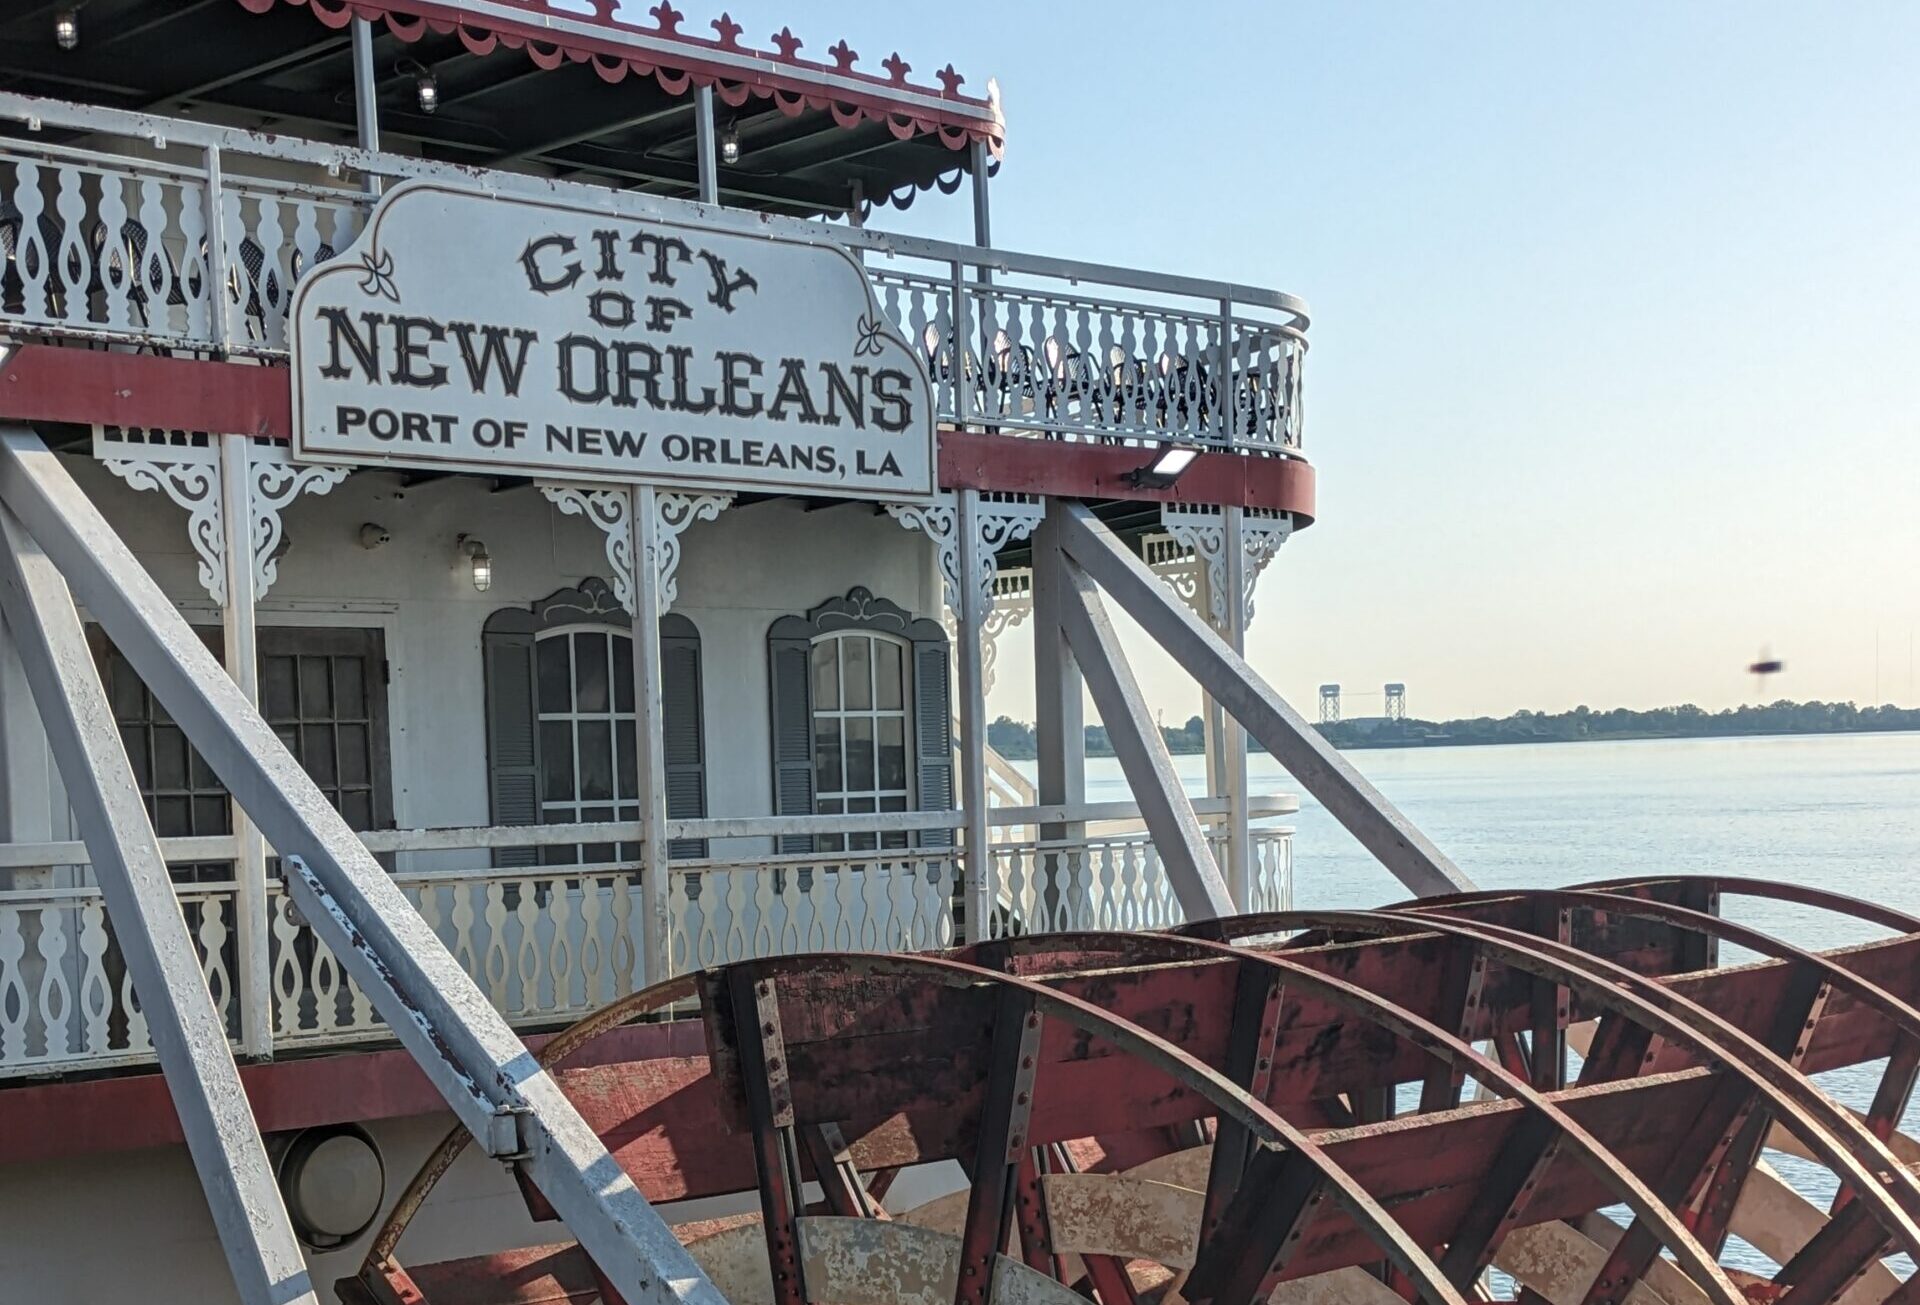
[(860, 718), (561, 722)]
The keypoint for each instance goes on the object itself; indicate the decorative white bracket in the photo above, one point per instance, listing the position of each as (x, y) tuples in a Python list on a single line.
[(189, 474), (611, 510), (1008, 610), (1203, 529), (1000, 519)]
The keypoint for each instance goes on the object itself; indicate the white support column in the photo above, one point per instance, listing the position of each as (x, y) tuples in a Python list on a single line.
[(972, 618), (252, 933), (1060, 733), (650, 739), (1232, 737), (642, 526), (968, 531)]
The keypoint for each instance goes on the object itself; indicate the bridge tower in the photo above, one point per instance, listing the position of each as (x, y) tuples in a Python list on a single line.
[(1396, 702), (1329, 704)]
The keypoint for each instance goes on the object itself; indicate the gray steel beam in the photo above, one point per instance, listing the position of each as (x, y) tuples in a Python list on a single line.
[(188, 1034), (1223, 673), (1177, 836), (485, 1073)]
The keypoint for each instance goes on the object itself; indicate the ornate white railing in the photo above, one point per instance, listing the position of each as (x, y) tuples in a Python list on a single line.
[(549, 943), (1117, 882), (183, 235)]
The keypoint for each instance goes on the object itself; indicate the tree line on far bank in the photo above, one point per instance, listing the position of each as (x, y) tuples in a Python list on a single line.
[(1014, 739)]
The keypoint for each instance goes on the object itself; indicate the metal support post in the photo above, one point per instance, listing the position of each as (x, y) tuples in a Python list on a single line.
[(188, 1034), (1233, 739), (366, 94), (705, 156), (978, 159), (972, 617), (650, 741), (243, 664), (484, 1072), (1295, 744)]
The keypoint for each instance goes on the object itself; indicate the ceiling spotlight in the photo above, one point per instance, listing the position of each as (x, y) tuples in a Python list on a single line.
[(428, 91), (1168, 465), (730, 146), (481, 561), (66, 28)]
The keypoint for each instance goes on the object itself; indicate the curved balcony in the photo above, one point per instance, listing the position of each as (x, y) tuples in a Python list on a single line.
[(176, 236)]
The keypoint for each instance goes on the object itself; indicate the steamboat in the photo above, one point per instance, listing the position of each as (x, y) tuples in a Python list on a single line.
[(503, 559)]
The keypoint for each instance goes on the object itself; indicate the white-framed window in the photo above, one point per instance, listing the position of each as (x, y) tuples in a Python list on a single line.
[(862, 730), (583, 698)]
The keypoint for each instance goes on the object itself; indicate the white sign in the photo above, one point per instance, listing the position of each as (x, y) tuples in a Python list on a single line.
[(491, 333)]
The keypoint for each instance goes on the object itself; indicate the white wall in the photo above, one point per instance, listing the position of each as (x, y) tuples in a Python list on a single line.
[(737, 574)]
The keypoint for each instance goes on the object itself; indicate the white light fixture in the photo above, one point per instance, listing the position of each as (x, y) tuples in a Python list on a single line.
[(479, 559), (66, 28), (1168, 465), (427, 89), (730, 146)]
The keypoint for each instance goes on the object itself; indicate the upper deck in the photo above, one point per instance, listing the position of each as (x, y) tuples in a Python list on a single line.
[(185, 238)]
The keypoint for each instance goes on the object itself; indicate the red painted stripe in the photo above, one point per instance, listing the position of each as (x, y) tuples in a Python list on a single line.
[(49, 1121), (1020, 465), (85, 386)]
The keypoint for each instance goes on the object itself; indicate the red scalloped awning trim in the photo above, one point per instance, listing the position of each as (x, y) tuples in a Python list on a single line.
[(612, 58)]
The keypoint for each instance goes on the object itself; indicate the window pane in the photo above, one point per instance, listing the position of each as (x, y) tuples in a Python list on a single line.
[(556, 761), (857, 654), (893, 752), (596, 759), (129, 695), (316, 754), (276, 688), (355, 756), (134, 740), (173, 817), (622, 673), (826, 756), (859, 756), (555, 676), (316, 688), (590, 672), (888, 677), (629, 767), (210, 815), (169, 757), (356, 808), (826, 675), (350, 688)]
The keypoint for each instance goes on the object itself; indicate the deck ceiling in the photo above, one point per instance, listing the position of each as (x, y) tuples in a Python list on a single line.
[(284, 71)]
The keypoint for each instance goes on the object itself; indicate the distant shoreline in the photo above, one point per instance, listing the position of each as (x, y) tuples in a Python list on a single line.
[(1014, 739), (1367, 745)]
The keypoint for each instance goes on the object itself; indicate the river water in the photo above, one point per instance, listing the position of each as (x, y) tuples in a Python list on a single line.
[(1841, 812)]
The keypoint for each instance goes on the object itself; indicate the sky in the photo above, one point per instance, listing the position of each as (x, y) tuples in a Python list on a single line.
[(1615, 369)]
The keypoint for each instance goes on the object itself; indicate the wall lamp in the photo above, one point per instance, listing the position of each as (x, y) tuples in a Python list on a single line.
[(479, 559), (426, 87), (66, 28), (1168, 465), (730, 146)]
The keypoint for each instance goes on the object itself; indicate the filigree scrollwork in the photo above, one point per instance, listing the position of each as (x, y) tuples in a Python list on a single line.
[(940, 522), (276, 483), (1261, 534), (611, 512), (194, 486), (1202, 530), (677, 512), (1002, 616), (1000, 519)]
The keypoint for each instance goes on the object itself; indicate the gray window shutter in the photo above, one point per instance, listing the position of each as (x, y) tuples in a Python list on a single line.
[(933, 730), (790, 677), (683, 729), (513, 760)]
